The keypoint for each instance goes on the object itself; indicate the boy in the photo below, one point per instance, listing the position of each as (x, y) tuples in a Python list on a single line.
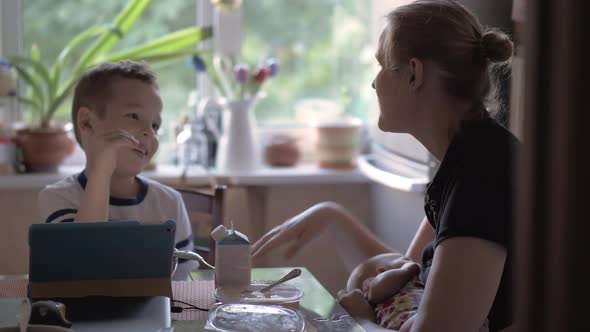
[(116, 115)]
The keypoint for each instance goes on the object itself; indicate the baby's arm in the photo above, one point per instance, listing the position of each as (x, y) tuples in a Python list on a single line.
[(390, 282), (371, 267)]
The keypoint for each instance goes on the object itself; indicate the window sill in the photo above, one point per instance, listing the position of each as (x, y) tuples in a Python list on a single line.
[(305, 173)]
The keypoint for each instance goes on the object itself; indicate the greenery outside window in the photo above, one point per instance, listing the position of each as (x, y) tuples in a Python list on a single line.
[(324, 48)]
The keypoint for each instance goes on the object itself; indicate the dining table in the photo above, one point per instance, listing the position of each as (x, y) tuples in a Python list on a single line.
[(319, 309)]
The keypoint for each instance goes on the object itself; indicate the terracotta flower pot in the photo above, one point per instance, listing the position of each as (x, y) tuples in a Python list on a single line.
[(282, 151), (43, 149), (338, 143)]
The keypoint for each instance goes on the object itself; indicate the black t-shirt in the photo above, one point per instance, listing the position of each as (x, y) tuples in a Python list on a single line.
[(471, 196)]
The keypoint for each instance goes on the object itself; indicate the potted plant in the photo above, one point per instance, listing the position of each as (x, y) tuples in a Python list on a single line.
[(44, 145)]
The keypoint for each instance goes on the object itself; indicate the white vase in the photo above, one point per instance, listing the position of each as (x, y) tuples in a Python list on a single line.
[(238, 149)]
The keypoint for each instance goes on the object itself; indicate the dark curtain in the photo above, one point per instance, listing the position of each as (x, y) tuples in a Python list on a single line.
[(553, 225)]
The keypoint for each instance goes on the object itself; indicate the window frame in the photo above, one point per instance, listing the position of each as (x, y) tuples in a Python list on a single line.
[(10, 26), (11, 38), (227, 36)]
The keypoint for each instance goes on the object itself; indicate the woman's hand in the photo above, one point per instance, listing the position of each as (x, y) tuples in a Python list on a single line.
[(297, 231), (354, 302)]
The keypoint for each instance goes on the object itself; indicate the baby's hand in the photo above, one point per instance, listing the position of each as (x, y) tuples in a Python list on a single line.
[(393, 264), (356, 305), (102, 149), (378, 289), (387, 284)]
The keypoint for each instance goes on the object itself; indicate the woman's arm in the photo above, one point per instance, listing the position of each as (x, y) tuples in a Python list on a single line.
[(462, 284), (351, 237), (424, 236), (353, 241)]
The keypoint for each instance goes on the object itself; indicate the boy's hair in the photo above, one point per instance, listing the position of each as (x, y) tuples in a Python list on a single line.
[(92, 88)]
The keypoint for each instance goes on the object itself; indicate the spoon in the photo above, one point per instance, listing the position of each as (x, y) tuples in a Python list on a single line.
[(291, 275)]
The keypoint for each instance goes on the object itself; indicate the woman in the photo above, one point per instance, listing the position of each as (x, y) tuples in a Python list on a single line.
[(436, 84)]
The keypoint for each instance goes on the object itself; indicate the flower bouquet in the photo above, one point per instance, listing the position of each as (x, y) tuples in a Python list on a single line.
[(238, 85), (236, 80)]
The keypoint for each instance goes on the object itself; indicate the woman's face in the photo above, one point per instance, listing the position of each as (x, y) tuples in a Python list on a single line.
[(392, 88)]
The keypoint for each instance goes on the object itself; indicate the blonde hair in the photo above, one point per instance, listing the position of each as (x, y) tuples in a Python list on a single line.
[(448, 34)]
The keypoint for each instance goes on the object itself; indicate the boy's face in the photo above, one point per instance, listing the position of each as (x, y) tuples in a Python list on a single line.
[(135, 107)]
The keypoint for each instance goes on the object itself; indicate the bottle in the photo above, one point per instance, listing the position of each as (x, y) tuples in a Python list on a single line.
[(210, 111)]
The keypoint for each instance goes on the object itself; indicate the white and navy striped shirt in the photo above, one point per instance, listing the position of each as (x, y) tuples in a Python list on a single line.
[(154, 203)]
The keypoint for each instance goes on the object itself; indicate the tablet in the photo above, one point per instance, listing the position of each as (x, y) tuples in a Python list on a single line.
[(92, 257)]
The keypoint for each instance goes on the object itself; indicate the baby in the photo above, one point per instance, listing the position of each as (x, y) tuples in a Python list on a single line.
[(391, 283)]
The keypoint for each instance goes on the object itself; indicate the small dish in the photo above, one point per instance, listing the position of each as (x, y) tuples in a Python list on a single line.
[(255, 318), (281, 294)]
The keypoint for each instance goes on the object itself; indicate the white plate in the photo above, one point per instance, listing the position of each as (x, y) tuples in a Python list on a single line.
[(280, 294)]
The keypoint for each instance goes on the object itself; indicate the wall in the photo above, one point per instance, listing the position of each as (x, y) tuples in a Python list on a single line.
[(18, 209)]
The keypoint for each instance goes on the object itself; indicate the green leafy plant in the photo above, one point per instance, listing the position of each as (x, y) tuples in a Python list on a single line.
[(49, 85)]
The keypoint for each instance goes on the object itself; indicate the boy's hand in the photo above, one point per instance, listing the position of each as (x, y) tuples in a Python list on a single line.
[(101, 160), (102, 150)]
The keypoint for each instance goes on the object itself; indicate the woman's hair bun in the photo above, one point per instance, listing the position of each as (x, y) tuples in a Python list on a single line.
[(497, 46)]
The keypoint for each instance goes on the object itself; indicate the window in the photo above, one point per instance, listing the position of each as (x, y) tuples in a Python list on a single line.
[(324, 48), (67, 18)]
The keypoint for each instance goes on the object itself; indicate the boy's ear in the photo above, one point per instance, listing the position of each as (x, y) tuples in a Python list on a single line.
[(86, 119)]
